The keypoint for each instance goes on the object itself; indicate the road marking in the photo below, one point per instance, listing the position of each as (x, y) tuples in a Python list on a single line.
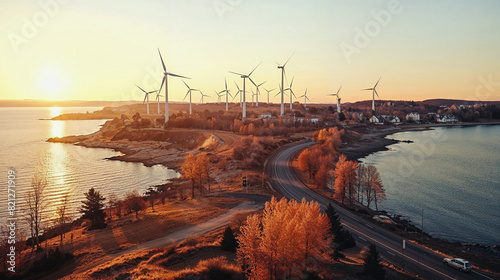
[(482, 275), (382, 244), (390, 253), (355, 219), (368, 225), (363, 239)]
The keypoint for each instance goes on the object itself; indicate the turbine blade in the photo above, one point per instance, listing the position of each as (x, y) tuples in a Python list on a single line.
[(254, 70), (141, 89), (186, 84), (186, 95), (292, 82), (179, 76), (368, 89), (225, 83), (251, 80), (162, 81), (261, 84), (288, 59), (377, 82), (145, 96), (237, 85), (339, 90), (162, 63), (376, 93), (236, 73)]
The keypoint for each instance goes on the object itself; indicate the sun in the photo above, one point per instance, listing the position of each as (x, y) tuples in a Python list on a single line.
[(51, 83)]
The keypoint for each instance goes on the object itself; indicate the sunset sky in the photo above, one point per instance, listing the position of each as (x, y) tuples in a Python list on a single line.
[(99, 50)]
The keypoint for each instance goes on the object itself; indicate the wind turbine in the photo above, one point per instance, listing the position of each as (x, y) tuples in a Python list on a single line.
[(158, 95), (374, 91), (257, 93), (268, 91), (282, 67), (203, 95), (305, 98), (146, 96), (244, 77), (227, 93), (291, 93), (338, 99), (189, 92), (165, 80), (237, 92), (219, 96)]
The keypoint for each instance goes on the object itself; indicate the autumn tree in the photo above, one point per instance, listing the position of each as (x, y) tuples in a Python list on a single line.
[(35, 202), (63, 216), (196, 168), (189, 171), (372, 265), (284, 241), (360, 176), (345, 179), (93, 209), (306, 163), (374, 190), (134, 202), (152, 194)]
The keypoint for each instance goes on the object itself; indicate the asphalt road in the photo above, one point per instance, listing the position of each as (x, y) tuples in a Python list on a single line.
[(415, 259)]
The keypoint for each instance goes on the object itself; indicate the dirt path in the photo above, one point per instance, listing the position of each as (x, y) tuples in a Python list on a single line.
[(174, 237)]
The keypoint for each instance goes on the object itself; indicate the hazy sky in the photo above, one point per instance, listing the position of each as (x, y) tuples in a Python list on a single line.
[(99, 50)]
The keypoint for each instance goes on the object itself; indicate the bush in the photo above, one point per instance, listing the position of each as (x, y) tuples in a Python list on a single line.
[(53, 259)]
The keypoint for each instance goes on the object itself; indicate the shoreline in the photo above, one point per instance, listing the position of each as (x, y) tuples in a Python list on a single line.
[(375, 140)]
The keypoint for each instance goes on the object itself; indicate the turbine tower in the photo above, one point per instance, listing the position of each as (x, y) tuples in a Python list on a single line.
[(282, 67), (244, 77), (374, 91), (189, 92), (146, 97), (305, 98), (165, 80), (338, 99), (227, 93), (268, 91), (291, 93), (158, 95)]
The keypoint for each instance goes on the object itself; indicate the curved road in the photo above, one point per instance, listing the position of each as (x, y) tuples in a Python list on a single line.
[(415, 259)]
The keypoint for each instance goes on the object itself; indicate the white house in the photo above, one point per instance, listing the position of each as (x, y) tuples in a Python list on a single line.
[(394, 119), (379, 119), (413, 116), (266, 116), (446, 118)]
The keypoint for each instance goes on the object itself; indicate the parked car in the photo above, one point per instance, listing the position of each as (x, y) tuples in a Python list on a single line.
[(459, 264)]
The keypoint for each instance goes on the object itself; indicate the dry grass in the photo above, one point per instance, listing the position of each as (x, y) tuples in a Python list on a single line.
[(89, 246)]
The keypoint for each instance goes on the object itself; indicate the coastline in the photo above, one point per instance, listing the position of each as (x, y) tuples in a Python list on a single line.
[(375, 139)]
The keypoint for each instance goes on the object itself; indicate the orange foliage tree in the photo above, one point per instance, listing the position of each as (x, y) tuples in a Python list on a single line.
[(196, 169), (318, 160), (283, 243), (345, 179), (373, 188)]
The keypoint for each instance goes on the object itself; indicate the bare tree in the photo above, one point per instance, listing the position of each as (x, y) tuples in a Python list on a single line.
[(63, 216), (35, 202)]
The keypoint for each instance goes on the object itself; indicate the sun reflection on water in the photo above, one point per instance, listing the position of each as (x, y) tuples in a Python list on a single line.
[(57, 128)]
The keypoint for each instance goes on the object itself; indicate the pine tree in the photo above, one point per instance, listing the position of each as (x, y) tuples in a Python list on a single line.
[(342, 237), (372, 265), (93, 209), (229, 242)]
